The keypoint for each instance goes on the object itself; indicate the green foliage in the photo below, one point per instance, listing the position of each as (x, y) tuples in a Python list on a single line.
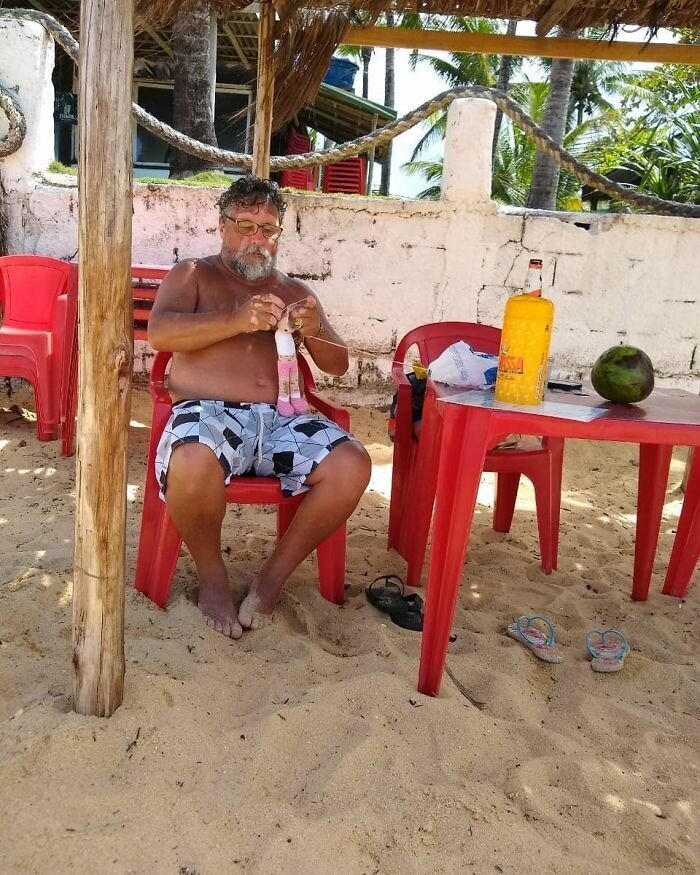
[(457, 69), (57, 167), (659, 133), (205, 179)]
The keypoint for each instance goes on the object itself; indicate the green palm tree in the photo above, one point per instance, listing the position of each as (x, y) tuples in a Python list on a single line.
[(515, 155), (456, 70)]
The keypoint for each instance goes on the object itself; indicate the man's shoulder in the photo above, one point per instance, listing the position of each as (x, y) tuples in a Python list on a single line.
[(293, 283), (194, 268)]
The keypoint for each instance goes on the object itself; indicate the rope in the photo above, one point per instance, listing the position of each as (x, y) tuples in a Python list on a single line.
[(362, 144)]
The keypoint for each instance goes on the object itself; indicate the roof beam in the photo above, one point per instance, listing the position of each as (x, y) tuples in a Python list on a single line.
[(540, 47), (154, 35), (236, 45)]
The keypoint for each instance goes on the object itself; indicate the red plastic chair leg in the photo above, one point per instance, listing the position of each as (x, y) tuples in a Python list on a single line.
[(506, 493), (420, 492), (399, 475), (285, 515), (159, 548), (556, 451), (46, 396), (686, 547), (331, 566), (654, 462)]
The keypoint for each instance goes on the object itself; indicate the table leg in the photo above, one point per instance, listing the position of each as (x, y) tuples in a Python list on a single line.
[(420, 492), (686, 546), (654, 462), (465, 438)]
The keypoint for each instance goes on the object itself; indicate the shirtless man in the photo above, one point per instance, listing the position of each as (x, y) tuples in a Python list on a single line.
[(218, 315)]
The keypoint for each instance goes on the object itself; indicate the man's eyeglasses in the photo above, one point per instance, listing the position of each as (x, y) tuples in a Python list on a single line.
[(248, 227)]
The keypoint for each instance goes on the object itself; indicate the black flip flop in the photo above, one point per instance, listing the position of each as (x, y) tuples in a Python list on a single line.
[(405, 611), (408, 612), (383, 597)]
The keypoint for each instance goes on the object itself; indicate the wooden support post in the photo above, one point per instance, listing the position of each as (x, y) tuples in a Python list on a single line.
[(106, 352), (265, 94)]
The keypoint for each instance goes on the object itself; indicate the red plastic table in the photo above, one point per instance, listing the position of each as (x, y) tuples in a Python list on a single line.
[(459, 427)]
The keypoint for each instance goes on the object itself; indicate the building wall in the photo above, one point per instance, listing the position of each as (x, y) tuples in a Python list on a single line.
[(382, 267)]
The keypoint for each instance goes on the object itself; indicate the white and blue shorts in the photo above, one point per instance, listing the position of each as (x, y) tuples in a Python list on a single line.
[(251, 439)]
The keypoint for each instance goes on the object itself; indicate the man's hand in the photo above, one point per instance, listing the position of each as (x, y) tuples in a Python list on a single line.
[(305, 318), (260, 313)]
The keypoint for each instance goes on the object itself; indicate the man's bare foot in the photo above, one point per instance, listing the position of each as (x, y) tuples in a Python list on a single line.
[(217, 608), (252, 613)]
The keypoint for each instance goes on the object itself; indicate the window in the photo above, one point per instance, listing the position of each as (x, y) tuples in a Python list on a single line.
[(232, 121)]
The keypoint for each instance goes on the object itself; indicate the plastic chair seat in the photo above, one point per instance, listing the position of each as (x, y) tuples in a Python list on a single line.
[(160, 542), (542, 465)]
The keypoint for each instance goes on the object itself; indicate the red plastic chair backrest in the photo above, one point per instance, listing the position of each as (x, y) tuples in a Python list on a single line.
[(434, 338), (31, 284)]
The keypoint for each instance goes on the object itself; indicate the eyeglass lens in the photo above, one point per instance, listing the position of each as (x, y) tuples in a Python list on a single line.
[(247, 227)]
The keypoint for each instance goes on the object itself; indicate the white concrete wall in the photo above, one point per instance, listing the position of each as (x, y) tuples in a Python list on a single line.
[(382, 267)]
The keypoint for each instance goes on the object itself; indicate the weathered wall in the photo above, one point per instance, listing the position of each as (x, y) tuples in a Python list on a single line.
[(384, 266)]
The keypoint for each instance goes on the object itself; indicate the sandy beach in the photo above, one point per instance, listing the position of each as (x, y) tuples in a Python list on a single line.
[(305, 748)]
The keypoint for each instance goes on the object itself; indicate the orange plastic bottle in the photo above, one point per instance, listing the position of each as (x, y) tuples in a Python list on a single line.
[(525, 338)]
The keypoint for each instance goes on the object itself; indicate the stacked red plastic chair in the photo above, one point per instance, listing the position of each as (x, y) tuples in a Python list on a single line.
[(39, 299), (303, 178), (543, 466), (160, 541), (345, 177)]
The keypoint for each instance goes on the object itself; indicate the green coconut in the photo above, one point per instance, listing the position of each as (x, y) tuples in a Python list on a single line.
[(623, 374)]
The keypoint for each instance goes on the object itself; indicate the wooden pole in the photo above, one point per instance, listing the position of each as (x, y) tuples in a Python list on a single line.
[(265, 93), (105, 339), (540, 47)]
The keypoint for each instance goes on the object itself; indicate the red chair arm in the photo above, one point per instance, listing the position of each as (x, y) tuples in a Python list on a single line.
[(159, 391), (337, 414)]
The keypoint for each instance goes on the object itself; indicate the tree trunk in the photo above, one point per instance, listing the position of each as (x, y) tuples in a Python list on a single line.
[(365, 55), (389, 100), (192, 109), (503, 84), (545, 175)]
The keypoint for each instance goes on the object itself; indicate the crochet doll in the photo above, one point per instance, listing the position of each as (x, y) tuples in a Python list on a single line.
[(290, 400)]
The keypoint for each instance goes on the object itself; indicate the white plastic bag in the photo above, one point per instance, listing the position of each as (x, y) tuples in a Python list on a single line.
[(460, 365)]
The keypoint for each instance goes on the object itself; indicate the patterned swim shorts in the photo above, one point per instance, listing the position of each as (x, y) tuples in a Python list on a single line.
[(251, 439)]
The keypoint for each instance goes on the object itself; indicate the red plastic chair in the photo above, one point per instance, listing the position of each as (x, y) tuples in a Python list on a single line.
[(145, 282), (39, 299), (685, 554), (345, 177), (159, 543), (542, 466)]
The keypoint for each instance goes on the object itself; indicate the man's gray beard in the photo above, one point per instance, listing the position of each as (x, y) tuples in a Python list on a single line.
[(253, 270)]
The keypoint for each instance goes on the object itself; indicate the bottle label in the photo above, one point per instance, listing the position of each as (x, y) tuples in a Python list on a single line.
[(510, 364)]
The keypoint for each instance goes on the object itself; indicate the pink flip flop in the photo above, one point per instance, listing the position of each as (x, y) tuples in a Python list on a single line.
[(540, 641), (608, 647)]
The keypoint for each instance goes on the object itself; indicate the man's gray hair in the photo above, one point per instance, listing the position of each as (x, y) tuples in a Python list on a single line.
[(247, 191)]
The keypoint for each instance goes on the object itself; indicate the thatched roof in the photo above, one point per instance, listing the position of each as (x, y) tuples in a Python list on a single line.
[(309, 34), (571, 14)]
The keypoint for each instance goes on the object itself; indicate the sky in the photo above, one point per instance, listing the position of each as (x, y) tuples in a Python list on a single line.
[(414, 88)]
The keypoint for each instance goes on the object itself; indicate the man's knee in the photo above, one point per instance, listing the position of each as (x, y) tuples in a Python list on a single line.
[(192, 469), (349, 465)]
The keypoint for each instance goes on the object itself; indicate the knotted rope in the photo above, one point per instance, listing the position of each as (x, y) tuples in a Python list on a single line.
[(355, 147)]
